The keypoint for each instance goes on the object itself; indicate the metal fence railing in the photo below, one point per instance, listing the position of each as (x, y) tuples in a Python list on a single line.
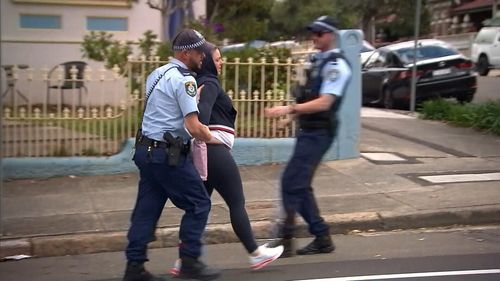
[(80, 111), (62, 113)]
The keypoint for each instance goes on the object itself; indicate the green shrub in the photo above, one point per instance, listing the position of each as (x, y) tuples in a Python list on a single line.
[(461, 115), (101, 46), (488, 117), (484, 116), (435, 109)]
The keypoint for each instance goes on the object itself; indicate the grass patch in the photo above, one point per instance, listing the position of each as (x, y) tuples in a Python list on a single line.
[(483, 116)]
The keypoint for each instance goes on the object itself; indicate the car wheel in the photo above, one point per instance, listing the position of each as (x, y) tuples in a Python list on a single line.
[(483, 66), (388, 99)]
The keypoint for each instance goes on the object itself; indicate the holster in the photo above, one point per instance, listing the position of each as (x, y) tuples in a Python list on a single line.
[(174, 148)]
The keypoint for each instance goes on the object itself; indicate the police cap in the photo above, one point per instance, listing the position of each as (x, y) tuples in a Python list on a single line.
[(323, 24), (189, 39)]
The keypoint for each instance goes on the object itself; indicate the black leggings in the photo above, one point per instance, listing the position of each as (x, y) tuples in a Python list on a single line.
[(224, 176)]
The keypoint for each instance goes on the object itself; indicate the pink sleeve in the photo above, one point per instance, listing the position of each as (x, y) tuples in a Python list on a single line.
[(199, 150)]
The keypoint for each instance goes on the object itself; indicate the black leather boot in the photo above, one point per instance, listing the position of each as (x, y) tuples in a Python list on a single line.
[(288, 246), (194, 269), (320, 244), (135, 271)]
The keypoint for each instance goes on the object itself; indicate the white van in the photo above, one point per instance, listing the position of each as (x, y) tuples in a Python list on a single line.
[(485, 51)]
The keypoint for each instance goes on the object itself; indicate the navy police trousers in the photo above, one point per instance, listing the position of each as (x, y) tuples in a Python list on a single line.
[(159, 182), (297, 193)]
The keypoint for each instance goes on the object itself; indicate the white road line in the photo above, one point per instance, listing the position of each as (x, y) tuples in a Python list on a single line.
[(382, 156), (462, 178), (409, 275)]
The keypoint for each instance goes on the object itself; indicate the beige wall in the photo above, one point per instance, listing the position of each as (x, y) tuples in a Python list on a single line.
[(20, 45), (140, 18), (40, 48)]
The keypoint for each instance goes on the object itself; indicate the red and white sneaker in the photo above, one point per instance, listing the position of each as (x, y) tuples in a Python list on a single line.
[(266, 256), (176, 268)]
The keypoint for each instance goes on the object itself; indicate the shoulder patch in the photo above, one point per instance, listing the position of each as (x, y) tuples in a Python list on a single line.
[(190, 88), (332, 74)]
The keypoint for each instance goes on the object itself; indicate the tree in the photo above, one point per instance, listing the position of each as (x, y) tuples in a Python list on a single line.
[(290, 17), (174, 13), (366, 11), (396, 17), (101, 46), (244, 20), (403, 22), (240, 20)]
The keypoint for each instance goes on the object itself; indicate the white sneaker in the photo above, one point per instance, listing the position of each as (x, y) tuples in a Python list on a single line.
[(267, 255), (176, 268)]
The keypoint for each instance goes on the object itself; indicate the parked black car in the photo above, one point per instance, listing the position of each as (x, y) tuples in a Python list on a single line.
[(441, 72)]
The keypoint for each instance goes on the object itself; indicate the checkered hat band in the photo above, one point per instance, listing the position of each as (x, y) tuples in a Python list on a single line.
[(190, 46)]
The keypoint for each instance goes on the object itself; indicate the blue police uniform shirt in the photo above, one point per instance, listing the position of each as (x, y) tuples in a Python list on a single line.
[(171, 100), (335, 74)]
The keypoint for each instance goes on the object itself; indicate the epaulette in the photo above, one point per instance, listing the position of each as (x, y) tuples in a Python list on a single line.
[(186, 72), (333, 56)]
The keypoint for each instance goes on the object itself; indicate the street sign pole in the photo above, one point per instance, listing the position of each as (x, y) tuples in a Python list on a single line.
[(414, 71)]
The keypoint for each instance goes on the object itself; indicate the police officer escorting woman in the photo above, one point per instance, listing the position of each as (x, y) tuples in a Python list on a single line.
[(217, 111), (316, 106), (166, 169)]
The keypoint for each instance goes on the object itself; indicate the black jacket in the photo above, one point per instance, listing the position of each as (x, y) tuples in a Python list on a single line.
[(215, 106)]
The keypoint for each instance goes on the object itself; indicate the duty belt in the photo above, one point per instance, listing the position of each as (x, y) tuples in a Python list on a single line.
[(153, 143), (161, 144)]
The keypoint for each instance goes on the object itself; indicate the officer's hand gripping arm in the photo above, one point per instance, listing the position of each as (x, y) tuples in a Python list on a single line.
[(195, 128)]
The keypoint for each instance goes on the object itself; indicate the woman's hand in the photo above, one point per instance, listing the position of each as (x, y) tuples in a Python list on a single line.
[(283, 123)]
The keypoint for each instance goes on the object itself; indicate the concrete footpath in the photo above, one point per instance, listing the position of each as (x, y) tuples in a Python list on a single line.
[(412, 173)]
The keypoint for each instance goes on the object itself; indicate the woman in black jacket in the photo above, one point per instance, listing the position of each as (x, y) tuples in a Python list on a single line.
[(216, 110)]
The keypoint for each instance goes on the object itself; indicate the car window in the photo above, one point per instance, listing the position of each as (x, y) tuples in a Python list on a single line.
[(365, 49), (486, 35), (392, 60), (377, 59), (425, 52)]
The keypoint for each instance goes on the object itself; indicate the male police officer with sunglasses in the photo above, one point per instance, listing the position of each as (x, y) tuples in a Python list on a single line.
[(166, 168), (317, 103)]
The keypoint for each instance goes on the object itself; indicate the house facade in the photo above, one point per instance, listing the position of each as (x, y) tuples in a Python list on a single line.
[(47, 32), (460, 16), (38, 35)]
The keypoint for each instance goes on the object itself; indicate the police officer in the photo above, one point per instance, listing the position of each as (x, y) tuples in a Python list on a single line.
[(166, 168), (317, 103)]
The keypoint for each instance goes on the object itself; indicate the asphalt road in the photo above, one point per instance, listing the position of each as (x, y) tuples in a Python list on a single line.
[(434, 254), (488, 87)]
